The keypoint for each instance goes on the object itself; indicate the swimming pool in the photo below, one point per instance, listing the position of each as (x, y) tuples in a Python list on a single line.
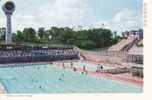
[(46, 78)]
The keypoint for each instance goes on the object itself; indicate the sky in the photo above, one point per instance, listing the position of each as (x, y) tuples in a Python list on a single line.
[(117, 15)]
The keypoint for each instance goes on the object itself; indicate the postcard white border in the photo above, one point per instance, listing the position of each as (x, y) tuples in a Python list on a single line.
[(147, 75)]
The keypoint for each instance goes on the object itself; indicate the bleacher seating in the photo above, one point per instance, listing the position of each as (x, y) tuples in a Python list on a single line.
[(12, 56), (123, 44)]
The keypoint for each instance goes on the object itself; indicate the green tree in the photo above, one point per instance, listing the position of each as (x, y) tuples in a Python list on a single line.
[(41, 32), (29, 35), (18, 37), (87, 39)]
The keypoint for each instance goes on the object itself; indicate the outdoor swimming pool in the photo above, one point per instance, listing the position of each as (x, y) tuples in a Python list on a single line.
[(45, 78)]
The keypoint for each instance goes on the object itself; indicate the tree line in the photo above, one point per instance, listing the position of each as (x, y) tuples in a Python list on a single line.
[(85, 39)]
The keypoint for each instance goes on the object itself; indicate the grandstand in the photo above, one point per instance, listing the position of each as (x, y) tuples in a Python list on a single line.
[(129, 39), (35, 54), (128, 50), (124, 44)]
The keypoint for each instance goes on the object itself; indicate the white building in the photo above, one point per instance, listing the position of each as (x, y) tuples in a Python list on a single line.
[(135, 55)]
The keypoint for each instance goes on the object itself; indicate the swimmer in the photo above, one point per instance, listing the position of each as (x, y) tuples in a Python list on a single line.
[(61, 77), (40, 87)]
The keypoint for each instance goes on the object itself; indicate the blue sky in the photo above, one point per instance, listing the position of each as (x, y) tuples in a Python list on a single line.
[(118, 15)]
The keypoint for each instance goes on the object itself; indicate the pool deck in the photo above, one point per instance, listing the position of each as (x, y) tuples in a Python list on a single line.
[(119, 77)]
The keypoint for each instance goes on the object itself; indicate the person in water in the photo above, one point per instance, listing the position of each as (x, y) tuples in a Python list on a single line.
[(40, 87), (61, 77)]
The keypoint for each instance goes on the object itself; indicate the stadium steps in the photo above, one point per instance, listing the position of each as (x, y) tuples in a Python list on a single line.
[(124, 44)]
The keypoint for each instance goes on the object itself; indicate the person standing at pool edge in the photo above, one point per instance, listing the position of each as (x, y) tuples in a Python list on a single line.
[(99, 68), (71, 64), (84, 70), (74, 69), (63, 65)]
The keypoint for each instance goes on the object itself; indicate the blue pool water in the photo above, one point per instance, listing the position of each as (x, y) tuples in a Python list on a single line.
[(50, 79)]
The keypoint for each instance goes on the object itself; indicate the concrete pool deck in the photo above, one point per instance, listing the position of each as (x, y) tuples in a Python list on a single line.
[(120, 77)]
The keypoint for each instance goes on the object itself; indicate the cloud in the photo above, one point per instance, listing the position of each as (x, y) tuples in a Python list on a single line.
[(63, 11), (47, 13), (22, 21), (123, 20), (60, 13)]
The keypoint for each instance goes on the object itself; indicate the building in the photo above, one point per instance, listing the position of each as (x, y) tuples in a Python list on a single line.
[(141, 33), (78, 28), (137, 33), (135, 55)]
